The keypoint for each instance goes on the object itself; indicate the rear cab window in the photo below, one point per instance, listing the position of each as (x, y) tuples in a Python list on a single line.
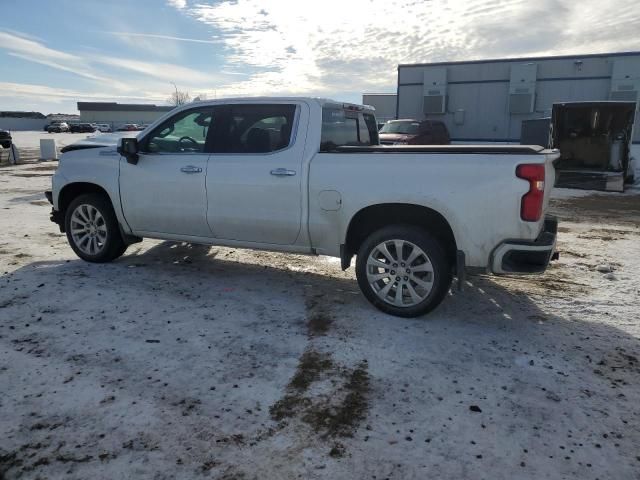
[(350, 126)]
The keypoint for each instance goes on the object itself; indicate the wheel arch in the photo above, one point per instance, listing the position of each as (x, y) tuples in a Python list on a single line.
[(374, 217), (73, 190)]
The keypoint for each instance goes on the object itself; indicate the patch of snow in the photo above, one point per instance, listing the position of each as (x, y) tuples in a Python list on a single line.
[(168, 362)]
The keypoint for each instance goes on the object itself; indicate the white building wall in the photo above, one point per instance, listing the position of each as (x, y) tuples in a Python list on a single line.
[(481, 89), (384, 103), (118, 118), (11, 124)]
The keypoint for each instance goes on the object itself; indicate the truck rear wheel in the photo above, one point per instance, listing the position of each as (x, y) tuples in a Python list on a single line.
[(403, 270), (92, 229)]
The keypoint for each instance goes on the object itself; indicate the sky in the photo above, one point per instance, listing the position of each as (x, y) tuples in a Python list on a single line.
[(56, 53)]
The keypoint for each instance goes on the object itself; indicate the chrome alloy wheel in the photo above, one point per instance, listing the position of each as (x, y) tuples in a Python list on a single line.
[(88, 229), (400, 273)]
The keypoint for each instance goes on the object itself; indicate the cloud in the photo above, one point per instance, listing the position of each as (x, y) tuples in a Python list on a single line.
[(336, 46), (21, 44), (56, 95), (161, 71), (162, 37), (88, 66), (179, 4), (59, 66)]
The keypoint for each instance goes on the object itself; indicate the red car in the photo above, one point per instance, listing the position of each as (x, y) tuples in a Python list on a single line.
[(414, 132)]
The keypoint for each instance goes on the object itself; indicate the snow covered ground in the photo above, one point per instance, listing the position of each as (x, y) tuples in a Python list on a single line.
[(28, 143), (184, 361)]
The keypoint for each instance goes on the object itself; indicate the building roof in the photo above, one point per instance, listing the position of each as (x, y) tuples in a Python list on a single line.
[(17, 114), (523, 59), (122, 107)]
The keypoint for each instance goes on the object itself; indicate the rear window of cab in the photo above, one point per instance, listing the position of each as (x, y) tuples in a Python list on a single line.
[(341, 127)]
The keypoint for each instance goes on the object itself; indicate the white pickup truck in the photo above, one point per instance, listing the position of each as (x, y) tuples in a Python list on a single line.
[(307, 175)]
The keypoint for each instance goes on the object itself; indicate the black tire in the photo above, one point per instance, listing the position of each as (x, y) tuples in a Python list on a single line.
[(442, 269), (113, 247)]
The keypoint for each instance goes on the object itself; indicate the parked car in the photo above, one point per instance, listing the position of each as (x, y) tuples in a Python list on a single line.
[(5, 138), (129, 127), (414, 132), (306, 175), (58, 127), (104, 127), (82, 128)]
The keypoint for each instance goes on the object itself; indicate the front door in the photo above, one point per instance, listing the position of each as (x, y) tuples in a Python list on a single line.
[(254, 179), (165, 192)]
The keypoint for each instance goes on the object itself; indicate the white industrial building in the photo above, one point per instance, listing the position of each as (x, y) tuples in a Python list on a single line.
[(487, 100), (384, 103), (25, 121), (119, 114)]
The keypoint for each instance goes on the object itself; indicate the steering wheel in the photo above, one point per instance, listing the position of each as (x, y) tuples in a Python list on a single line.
[(187, 138)]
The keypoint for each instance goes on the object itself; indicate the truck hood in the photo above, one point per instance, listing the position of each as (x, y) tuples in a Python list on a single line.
[(97, 141)]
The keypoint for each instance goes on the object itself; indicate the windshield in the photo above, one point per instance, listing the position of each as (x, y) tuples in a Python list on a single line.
[(407, 127)]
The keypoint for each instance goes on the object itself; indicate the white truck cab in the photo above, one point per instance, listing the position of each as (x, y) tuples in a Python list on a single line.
[(308, 175)]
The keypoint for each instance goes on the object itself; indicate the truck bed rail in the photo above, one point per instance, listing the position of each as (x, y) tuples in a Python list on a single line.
[(447, 149)]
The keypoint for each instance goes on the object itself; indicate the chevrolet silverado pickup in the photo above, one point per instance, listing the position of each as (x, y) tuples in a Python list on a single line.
[(308, 175)]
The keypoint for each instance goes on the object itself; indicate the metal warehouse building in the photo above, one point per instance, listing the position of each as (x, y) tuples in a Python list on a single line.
[(487, 100), (118, 114), (384, 103)]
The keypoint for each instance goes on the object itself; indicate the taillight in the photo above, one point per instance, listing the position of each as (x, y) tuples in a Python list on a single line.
[(531, 204)]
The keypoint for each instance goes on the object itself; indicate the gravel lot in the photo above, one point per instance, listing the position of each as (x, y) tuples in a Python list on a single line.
[(184, 361)]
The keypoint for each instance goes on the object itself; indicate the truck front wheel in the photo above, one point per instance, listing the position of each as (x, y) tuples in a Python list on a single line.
[(92, 229), (403, 270)]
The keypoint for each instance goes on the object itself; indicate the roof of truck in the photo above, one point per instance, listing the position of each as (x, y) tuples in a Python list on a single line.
[(319, 100)]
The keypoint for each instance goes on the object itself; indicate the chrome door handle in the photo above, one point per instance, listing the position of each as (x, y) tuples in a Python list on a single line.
[(191, 169), (283, 172)]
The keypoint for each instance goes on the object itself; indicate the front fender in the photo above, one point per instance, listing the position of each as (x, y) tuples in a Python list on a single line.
[(95, 166)]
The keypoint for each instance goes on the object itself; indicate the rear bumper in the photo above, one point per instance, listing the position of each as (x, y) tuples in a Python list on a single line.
[(522, 256)]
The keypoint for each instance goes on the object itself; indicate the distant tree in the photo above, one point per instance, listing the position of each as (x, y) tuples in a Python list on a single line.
[(178, 98)]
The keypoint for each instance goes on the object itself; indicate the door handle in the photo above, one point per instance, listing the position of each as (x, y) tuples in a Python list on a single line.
[(283, 172), (191, 169)]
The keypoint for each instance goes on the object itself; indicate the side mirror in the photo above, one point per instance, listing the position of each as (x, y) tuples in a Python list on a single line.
[(128, 148)]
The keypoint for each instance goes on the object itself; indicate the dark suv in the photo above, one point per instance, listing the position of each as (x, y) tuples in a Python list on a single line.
[(82, 128), (5, 139), (414, 132)]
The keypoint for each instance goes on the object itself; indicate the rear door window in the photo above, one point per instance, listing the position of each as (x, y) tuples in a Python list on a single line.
[(258, 128), (342, 127)]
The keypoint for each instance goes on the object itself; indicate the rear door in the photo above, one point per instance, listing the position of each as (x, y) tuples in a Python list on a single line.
[(254, 180)]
